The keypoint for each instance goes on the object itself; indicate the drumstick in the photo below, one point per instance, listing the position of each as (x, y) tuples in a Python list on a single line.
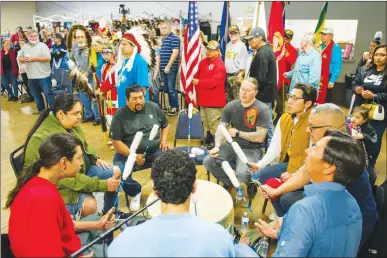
[(132, 156), (225, 133), (230, 173), (152, 135), (241, 155)]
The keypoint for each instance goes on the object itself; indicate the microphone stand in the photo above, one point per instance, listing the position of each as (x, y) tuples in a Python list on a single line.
[(105, 234)]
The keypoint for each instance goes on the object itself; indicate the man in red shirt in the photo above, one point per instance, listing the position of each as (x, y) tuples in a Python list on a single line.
[(289, 53), (210, 90), (40, 225)]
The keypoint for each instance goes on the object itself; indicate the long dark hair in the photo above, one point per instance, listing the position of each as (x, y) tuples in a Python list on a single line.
[(62, 41), (373, 65), (64, 102), (51, 151)]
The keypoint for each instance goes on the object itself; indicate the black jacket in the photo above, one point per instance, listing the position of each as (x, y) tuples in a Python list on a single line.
[(264, 69)]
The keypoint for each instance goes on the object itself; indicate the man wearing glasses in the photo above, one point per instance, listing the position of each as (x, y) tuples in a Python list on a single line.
[(289, 140), (323, 118), (330, 66)]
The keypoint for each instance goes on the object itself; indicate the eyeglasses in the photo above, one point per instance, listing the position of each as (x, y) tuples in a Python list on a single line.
[(380, 54), (311, 127), (293, 97)]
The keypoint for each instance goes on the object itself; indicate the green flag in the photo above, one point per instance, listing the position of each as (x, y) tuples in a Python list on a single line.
[(321, 23)]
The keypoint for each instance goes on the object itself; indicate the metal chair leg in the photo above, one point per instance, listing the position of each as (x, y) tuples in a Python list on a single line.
[(264, 206), (127, 200)]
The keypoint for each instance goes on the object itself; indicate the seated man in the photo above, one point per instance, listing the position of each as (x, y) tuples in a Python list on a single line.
[(249, 120), (40, 225), (289, 141), (95, 175), (327, 221), (137, 115), (176, 232), (322, 118)]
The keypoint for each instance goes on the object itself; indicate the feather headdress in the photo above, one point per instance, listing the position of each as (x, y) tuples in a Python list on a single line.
[(142, 46)]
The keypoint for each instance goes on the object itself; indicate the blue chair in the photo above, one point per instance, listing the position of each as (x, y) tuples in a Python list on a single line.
[(196, 133), (63, 83)]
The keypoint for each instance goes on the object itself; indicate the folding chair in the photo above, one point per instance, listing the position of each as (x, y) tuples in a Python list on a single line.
[(196, 132), (16, 160), (6, 247), (63, 83)]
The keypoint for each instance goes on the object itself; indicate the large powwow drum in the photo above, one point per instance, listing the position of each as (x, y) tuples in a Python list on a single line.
[(213, 203)]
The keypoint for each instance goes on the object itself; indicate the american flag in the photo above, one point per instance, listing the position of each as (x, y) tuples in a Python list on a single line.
[(191, 53)]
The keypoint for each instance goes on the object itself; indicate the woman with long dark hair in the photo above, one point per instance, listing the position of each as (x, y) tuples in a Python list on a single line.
[(370, 85), (39, 224), (366, 58), (95, 175)]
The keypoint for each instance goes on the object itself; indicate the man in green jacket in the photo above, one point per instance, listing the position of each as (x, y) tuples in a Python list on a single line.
[(95, 175)]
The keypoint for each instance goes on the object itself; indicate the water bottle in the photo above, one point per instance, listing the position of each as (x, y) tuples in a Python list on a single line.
[(263, 247), (238, 198), (245, 223)]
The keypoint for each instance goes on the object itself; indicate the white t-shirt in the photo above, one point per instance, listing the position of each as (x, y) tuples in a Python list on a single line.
[(236, 55)]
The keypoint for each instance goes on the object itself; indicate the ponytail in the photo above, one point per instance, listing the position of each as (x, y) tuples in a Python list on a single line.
[(38, 122), (52, 150), (64, 102), (25, 176)]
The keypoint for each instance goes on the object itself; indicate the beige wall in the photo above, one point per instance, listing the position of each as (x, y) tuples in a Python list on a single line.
[(14, 14)]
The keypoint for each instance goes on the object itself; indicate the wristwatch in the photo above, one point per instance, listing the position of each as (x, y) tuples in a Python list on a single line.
[(237, 134)]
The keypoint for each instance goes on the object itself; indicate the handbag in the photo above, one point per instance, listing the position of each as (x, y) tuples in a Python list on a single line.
[(376, 111)]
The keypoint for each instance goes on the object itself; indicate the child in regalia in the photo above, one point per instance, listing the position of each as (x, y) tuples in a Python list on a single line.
[(107, 86)]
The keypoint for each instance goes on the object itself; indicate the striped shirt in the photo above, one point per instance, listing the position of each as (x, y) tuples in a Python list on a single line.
[(168, 44)]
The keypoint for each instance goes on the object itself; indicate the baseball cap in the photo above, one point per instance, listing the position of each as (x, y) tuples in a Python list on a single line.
[(327, 30), (289, 34), (233, 28), (213, 45), (255, 32)]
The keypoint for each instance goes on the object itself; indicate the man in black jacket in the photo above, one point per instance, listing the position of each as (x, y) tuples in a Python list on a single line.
[(263, 68)]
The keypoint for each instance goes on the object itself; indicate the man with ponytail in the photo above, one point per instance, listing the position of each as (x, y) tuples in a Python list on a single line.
[(40, 225), (95, 175)]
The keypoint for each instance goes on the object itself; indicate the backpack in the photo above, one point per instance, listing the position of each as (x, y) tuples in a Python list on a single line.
[(375, 246)]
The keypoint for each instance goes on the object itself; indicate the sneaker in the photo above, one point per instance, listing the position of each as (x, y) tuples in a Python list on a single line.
[(173, 111), (112, 147), (273, 216), (109, 142), (14, 98), (135, 202), (85, 120), (97, 122), (166, 109)]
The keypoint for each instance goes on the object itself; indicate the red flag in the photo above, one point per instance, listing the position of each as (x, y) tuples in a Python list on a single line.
[(275, 35)]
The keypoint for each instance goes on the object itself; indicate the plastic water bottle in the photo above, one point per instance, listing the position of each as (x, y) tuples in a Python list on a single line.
[(238, 198), (245, 223), (263, 247)]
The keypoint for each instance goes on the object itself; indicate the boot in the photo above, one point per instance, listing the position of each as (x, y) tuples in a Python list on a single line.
[(207, 140)]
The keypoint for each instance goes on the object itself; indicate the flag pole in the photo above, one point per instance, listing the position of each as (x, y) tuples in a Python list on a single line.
[(226, 32), (257, 17)]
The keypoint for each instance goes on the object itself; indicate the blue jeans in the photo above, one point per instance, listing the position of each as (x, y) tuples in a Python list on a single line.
[(273, 171), (226, 152), (285, 201), (74, 209), (271, 130), (39, 86), (90, 105), (8, 78), (104, 174), (131, 186), (170, 87), (380, 128)]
